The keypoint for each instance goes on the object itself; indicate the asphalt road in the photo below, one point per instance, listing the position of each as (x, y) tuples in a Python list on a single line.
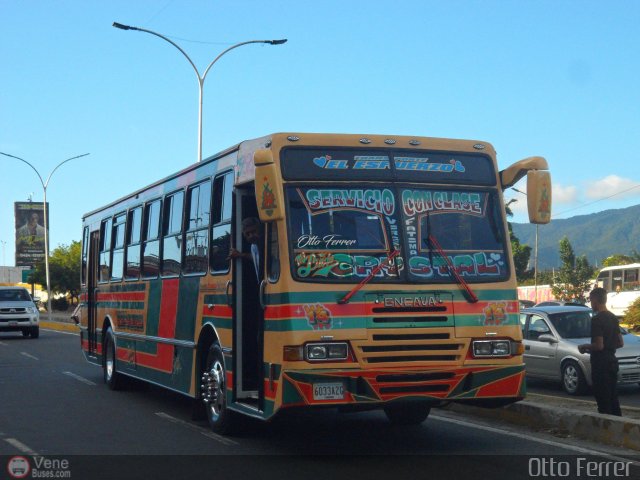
[(52, 402)]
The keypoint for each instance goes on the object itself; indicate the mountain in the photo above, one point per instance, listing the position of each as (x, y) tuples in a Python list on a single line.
[(597, 236)]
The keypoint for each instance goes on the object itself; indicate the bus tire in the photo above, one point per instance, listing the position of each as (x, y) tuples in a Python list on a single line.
[(407, 413), (214, 392), (112, 378)]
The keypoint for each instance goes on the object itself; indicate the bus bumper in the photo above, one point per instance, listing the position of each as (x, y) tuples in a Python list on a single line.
[(489, 386)]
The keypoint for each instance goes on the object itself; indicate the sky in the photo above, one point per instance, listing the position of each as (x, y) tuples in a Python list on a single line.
[(555, 78)]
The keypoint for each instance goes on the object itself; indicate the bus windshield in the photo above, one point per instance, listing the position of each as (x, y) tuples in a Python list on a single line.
[(342, 233)]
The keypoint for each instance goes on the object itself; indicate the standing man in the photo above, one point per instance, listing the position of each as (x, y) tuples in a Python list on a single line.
[(251, 231), (605, 340)]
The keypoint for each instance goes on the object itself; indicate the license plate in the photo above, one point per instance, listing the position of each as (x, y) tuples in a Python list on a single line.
[(13, 324), (328, 391)]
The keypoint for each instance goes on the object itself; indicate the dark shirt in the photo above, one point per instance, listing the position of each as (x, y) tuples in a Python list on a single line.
[(605, 324)]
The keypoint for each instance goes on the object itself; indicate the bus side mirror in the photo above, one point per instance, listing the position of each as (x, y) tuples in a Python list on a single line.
[(539, 196), (268, 187)]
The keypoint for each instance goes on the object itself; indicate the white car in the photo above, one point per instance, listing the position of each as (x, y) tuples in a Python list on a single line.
[(18, 313)]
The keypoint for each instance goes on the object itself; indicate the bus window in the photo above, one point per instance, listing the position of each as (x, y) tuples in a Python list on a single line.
[(197, 236), (616, 281), (132, 265), (273, 253), (105, 250), (151, 244), (85, 249), (221, 232), (631, 279), (604, 280), (117, 258), (172, 234)]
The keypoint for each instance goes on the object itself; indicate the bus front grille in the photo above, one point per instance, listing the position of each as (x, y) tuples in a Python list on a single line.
[(402, 383), (414, 320), (415, 389), (419, 347)]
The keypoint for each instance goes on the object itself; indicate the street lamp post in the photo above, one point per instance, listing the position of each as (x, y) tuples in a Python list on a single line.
[(45, 184), (4, 259), (535, 255), (202, 77)]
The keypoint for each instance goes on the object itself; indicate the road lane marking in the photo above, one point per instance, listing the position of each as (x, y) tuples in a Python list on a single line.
[(29, 355), (4, 344), (79, 378), (20, 446), (202, 431), (529, 436)]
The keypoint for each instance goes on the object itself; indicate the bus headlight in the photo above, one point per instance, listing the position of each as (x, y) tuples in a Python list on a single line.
[(326, 351), (491, 348)]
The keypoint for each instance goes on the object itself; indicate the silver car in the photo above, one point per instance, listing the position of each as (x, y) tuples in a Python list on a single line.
[(18, 313), (551, 338)]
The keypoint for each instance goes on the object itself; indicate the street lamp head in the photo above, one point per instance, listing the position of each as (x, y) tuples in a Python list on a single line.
[(122, 26), (278, 42)]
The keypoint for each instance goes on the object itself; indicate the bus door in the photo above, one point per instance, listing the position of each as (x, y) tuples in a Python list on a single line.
[(248, 312), (92, 291)]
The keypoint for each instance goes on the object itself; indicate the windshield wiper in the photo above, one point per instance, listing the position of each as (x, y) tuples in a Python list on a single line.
[(472, 298), (368, 278)]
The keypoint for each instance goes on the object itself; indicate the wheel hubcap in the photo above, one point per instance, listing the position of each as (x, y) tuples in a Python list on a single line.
[(213, 388), (109, 360), (571, 378)]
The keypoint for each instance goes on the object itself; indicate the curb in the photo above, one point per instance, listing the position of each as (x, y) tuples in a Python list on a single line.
[(607, 429)]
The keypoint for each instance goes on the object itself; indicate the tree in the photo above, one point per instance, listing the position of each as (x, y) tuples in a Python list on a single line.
[(632, 315), (617, 259), (545, 277), (64, 270), (573, 279), (521, 253)]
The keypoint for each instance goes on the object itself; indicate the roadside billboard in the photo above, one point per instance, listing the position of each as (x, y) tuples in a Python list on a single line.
[(29, 233)]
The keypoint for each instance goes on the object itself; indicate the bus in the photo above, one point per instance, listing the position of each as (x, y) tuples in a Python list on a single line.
[(623, 284), (387, 280)]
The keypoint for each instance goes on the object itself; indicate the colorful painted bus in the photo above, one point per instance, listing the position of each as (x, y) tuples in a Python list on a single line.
[(385, 278)]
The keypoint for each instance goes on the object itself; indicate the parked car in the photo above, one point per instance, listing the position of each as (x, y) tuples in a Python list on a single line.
[(18, 313), (551, 338), (559, 303)]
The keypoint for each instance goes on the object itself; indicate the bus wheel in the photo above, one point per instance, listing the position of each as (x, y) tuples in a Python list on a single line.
[(214, 392), (111, 376), (407, 413)]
